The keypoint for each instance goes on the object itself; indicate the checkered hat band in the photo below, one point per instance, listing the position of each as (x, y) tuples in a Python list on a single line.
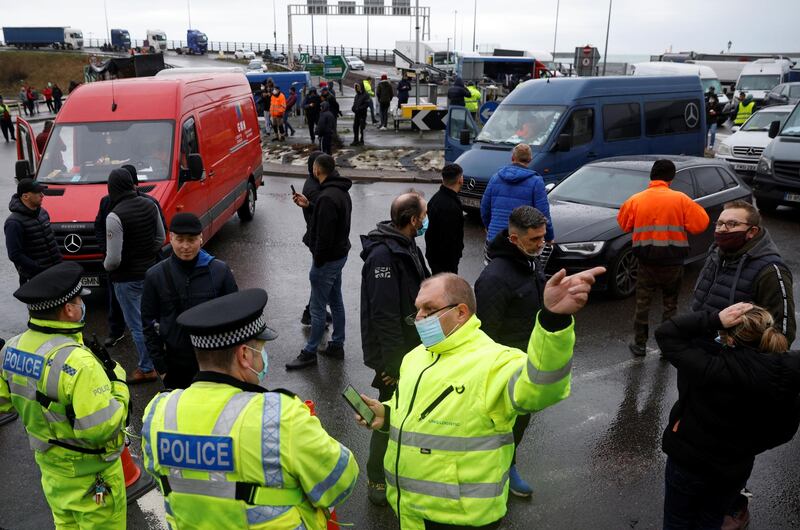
[(229, 338), (50, 304)]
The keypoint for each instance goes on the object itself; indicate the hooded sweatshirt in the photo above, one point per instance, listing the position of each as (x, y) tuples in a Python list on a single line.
[(361, 101), (327, 121), (513, 185), (328, 235), (457, 93), (755, 273), (390, 279)]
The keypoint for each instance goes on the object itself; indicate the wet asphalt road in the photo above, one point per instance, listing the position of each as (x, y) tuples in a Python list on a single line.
[(594, 459)]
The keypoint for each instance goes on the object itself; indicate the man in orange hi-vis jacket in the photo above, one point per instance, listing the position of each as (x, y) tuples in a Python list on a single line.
[(659, 219), (277, 108)]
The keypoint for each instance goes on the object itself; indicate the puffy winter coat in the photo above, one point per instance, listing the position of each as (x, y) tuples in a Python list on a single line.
[(513, 186)]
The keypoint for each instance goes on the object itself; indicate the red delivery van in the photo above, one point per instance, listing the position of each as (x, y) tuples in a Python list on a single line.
[(193, 138)]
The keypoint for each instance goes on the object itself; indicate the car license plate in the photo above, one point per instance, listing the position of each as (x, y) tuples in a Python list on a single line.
[(744, 167), (470, 202), (792, 197), (90, 281)]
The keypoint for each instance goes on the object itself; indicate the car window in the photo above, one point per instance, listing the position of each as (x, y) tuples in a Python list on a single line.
[(794, 91), (188, 141), (672, 117), (580, 126), (621, 121), (683, 183), (709, 180), (727, 178)]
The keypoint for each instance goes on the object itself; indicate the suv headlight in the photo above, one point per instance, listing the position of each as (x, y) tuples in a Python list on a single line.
[(586, 248), (724, 149), (764, 165)]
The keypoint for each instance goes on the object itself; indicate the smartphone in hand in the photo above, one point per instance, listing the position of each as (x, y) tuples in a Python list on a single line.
[(292, 186), (353, 398)]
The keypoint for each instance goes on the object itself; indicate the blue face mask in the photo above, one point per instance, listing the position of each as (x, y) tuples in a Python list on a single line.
[(430, 329), (262, 375), (83, 311), (421, 231)]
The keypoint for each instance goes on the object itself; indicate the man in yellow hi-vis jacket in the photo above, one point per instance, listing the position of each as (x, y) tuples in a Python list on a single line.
[(74, 406), (227, 452), (450, 420)]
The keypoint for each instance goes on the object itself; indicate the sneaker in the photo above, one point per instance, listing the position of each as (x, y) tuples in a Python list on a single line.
[(334, 351), (354, 143), (517, 484), (112, 341), (139, 377), (304, 360), (376, 493), (306, 318), (637, 350), (292, 133)]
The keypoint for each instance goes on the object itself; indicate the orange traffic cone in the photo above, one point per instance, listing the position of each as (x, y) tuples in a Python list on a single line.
[(332, 521), (136, 482)]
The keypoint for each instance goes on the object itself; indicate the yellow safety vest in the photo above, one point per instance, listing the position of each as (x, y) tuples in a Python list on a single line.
[(474, 98), (368, 88), (744, 112)]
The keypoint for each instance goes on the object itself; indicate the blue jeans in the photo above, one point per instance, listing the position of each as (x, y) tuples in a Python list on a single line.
[(287, 126), (129, 295), (326, 290), (694, 501), (712, 130)]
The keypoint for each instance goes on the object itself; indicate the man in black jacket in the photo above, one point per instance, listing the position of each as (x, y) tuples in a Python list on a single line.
[(457, 93), (444, 240), (393, 271), (311, 106), (134, 234), (328, 238), (509, 295), (326, 128), (30, 242), (188, 278), (116, 321), (360, 106)]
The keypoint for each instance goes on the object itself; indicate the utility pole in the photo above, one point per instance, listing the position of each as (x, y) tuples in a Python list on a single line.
[(416, 55), (189, 9), (275, 24), (555, 33), (108, 33), (312, 29), (474, 24), (455, 23), (608, 28)]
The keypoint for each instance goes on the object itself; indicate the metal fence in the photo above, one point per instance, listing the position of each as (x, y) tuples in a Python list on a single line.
[(367, 54)]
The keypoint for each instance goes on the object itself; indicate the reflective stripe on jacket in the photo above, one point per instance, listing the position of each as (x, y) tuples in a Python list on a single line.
[(277, 105), (65, 397), (743, 112), (660, 219), (452, 414), (284, 470)]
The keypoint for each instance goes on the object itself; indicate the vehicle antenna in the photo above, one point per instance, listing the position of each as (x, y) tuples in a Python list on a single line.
[(113, 99)]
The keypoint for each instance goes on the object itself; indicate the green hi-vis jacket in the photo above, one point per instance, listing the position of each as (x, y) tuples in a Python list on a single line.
[(66, 401), (451, 419), (227, 457), (473, 99)]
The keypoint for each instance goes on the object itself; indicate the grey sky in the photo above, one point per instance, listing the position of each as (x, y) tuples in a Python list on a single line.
[(637, 26)]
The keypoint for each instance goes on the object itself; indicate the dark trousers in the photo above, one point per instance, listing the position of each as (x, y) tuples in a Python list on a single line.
[(49, 103), (696, 502), (379, 440), (116, 320), (57, 104), (179, 374), (8, 128), (372, 110), (519, 429), (430, 525), (384, 114), (440, 266), (326, 142), (650, 279), (311, 127), (359, 124)]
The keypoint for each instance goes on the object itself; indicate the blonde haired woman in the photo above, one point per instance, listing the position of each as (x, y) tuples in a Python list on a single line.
[(735, 400)]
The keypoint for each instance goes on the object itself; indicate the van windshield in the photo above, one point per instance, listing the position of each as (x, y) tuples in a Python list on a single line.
[(792, 125), (514, 124), (708, 83), (85, 153), (758, 82)]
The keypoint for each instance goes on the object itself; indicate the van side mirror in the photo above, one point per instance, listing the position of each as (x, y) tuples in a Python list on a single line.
[(22, 170), (464, 137), (774, 128), (564, 143), (195, 163), (549, 187)]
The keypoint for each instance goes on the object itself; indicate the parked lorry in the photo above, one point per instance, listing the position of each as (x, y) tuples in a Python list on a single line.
[(120, 40), (156, 40), (62, 37), (437, 54), (196, 43)]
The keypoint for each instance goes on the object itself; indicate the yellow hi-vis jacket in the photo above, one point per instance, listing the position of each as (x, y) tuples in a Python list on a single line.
[(228, 454), (474, 98), (368, 88), (72, 412), (744, 112), (451, 419)]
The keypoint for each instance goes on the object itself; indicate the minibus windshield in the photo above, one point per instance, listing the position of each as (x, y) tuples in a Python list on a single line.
[(85, 153), (514, 124), (758, 82)]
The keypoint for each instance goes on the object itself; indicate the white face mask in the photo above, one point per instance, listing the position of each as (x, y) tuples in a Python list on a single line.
[(262, 375)]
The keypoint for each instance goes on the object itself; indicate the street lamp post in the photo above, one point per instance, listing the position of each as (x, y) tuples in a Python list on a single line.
[(608, 28), (455, 23), (189, 10), (275, 24), (474, 24), (555, 33)]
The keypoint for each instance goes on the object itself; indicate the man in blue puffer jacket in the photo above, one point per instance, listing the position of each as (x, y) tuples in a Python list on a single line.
[(514, 185)]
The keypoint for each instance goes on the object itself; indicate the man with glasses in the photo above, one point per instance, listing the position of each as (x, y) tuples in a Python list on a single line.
[(744, 265), (390, 279)]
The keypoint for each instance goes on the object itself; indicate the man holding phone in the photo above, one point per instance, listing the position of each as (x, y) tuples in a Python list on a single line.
[(450, 432)]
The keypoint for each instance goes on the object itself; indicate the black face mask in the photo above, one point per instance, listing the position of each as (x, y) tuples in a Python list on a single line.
[(730, 241)]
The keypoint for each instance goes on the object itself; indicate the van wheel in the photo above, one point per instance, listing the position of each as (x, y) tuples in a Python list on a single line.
[(622, 281), (248, 210)]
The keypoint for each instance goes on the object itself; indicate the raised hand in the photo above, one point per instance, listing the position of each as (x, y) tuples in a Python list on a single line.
[(566, 295)]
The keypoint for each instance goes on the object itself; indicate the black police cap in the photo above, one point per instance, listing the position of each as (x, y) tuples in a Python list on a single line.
[(52, 287), (227, 321), (186, 223)]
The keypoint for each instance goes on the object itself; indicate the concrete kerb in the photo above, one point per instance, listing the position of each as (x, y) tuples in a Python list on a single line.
[(362, 175)]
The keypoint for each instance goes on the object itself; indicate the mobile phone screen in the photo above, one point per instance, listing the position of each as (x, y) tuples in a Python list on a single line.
[(361, 408), (293, 192)]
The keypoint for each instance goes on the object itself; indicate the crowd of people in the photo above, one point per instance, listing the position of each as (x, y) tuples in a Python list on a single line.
[(458, 371)]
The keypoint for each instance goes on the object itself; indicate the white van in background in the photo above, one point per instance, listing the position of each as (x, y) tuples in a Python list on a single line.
[(708, 77), (761, 76)]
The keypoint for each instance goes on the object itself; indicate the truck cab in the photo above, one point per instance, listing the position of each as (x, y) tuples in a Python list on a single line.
[(157, 40), (120, 40), (196, 42)]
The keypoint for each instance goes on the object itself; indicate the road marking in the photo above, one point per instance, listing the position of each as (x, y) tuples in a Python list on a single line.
[(614, 368), (152, 506)]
